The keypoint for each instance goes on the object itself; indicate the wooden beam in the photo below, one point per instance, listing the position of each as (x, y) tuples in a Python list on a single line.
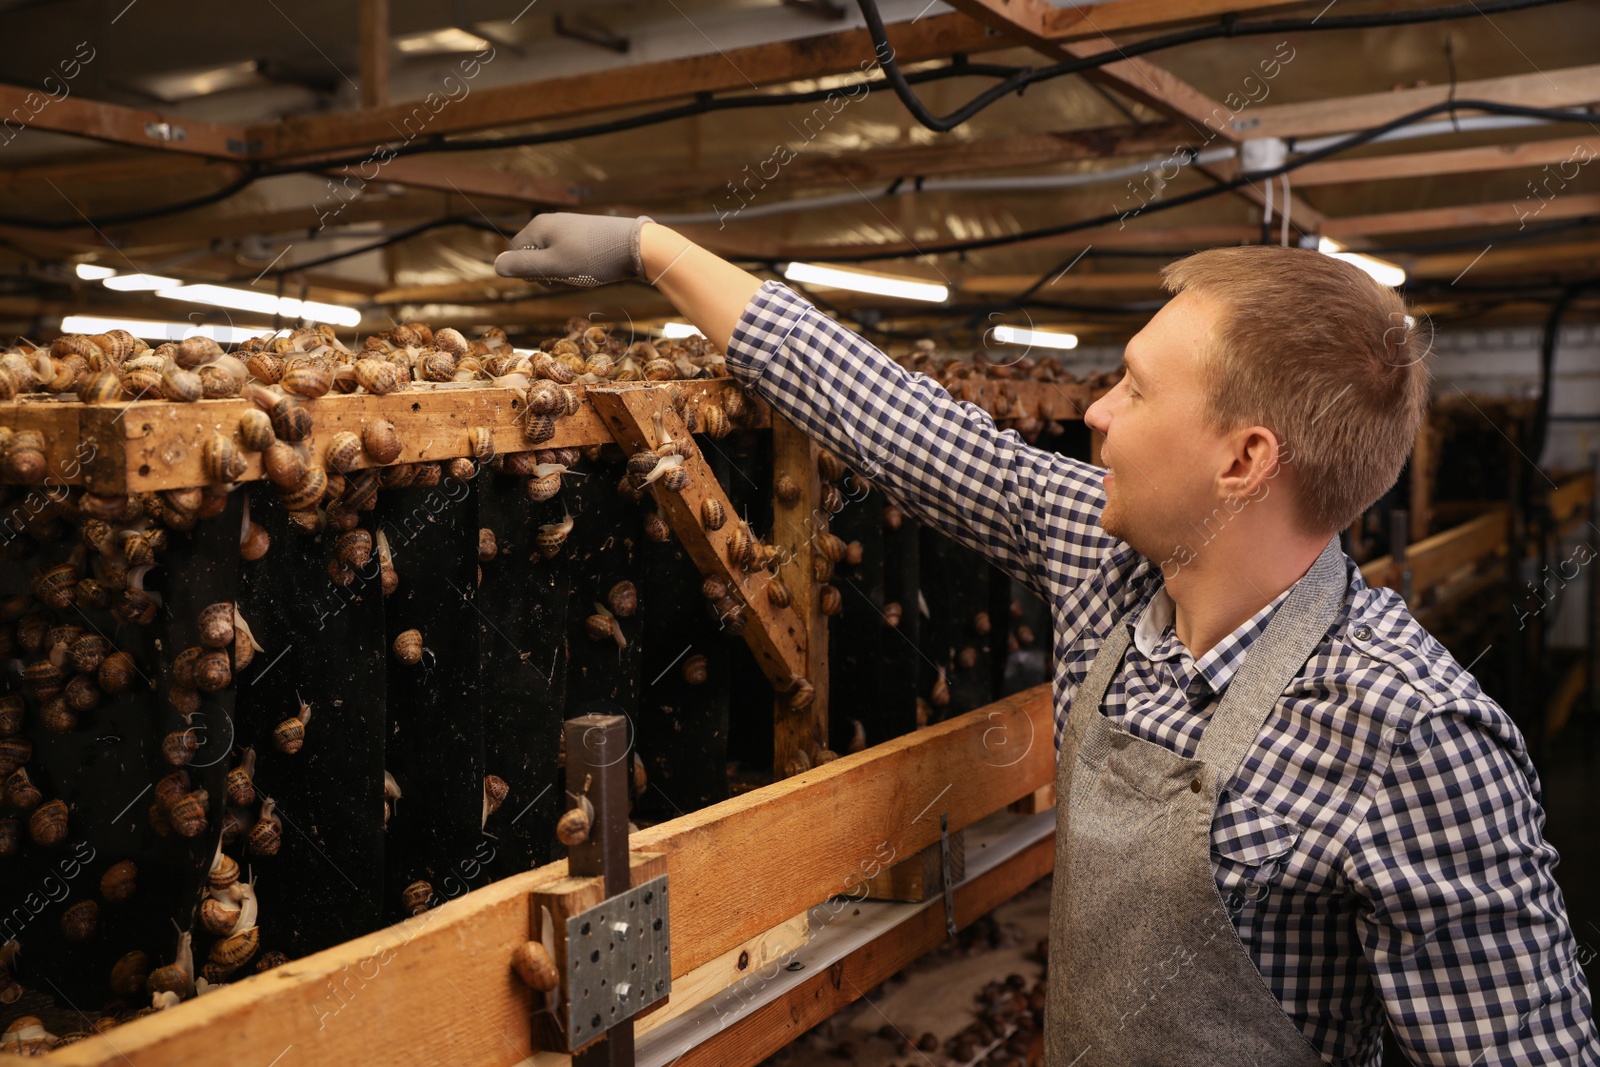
[(639, 418), (1083, 20), (1574, 255), (1112, 282), (1465, 216), (1449, 161), (444, 174), (374, 53), (30, 109), (1566, 87), (1027, 21), (796, 526), (438, 987)]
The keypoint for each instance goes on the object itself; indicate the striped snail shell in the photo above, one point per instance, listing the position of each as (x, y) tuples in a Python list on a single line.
[(220, 459), (831, 546), (217, 916), (416, 897), (213, 671), (892, 613), (179, 747), (43, 679), (11, 708), (159, 821), (623, 600), (377, 376), (488, 545), (481, 443), (821, 569), (436, 366), (538, 429), (88, 652), (713, 589), (101, 387), (269, 960), (181, 385), (354, 548), (216, 624), (408, 647), (290, 419), (307, 378), (266, 836), (830, 466), (656, 528), (659, 370), (236, 949), (120, 882), (224, 871), (265, 366), (694, 669), (173, 978), (196, 350), (461, 469), (832, 498), (799, 694), (740, 546), (183, 665), (289, 736), (495, 791), (48, 824), (283, 465), (778, 593), (79, 921), (452, 341), (81, 693), (715, 421), (734, 404), (599, 365), (129, 974), (731, 614), (170, 787), (553, 369), (551, 536), (344, 452), (184, 699), (830, 600), (56, 585), (573, 827), (57, 716), (786, 489), (241, 789), (222, 378), (308, 492), (854, 553), (361, 490), (641, 465), (381, 441), (675, 480), (712, 513), (20, 792), (545, 398), (137, 383), (600, 627), (255, 430), (14, 752)]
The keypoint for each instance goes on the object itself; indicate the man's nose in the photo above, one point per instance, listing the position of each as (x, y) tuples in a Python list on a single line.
[(1095, 417)]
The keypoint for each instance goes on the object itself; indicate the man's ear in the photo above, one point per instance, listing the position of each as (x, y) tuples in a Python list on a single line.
[(1253, 460)]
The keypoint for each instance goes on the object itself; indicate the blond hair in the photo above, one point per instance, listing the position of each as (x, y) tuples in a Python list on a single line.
[(1321, 354)]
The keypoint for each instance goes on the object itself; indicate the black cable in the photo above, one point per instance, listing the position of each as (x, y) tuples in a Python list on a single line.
[(250, 176), (393, 239), (1228, 27)]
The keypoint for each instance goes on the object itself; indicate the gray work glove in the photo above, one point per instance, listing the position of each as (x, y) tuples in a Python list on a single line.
[(566, 248)]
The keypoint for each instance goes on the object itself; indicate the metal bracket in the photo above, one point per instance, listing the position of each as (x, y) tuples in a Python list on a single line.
[(164, 131), (945, 875), (619, 960)]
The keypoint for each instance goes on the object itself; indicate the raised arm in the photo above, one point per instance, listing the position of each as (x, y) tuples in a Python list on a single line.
[(1035, 513)]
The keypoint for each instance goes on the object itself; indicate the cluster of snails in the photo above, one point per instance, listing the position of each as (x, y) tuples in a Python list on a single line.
[(228, 912), (226, 647), (67, 670), (621, 602), (46, 821)]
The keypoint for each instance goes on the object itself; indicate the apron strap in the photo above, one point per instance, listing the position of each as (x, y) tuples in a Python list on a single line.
[(1273, 661), (1091, 694)]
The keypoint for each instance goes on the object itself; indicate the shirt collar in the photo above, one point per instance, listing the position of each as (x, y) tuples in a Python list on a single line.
[(1155, 636)]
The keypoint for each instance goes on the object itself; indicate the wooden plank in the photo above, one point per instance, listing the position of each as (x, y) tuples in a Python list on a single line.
[(779, 1022), (23, 108), (438, 987), (1448, 161), (1568, 87), (1494, 213), (1571, 499), (1041, 799), (728, 969), (374, 45), (796, 527), (775, 635), (66, 452), (1064, 23), (920, 877), (1438, 558), (449, 176), (1028, 21)]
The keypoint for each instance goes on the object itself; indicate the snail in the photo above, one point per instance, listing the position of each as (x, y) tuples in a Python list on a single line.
[(546, 481), (129, 974), (798, 694), (11, 708), (713, 589), (830, 466), (220, 459), (495, 791), (623, 599), (242, 941), (408, 647), (170, 787), (308, 492), (306, 377), (715, 420), (255, 430), (712, 513), (224, 870), (832, 500), (573, 827), (283, 464), (940, 695), (48, 824), (290, 735), (417, 897), (354, 548), (20, 792), (119, 882), (26, 1036), (981, 624), (831, 547), (603, 625), (10, 837), (78, 922), (480, 441), (213, 670), (854, 553), (646, 467), (551, 536), (343, 453), (266, 836), (656, 528), (381, 441), (892, 517), (1024, 634), (694, 670), (488, 547), (245, 645), (967, 658), (778, 593), (179, 384), (731, 614), (388, 577), (391, 796), (892, 613), (176, 978), (217, 915), (179, 747), (830, 600), (187, 815), (216, 624), (532, 963), (786, 489)]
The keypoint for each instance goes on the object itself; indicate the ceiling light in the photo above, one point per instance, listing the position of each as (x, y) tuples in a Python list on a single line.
[(89, 272), (1016, 335), (156, 331), (127, 283), (186, 85), (1381, 270), (673, 331), (263, 303), (834, 278), (449, 40)]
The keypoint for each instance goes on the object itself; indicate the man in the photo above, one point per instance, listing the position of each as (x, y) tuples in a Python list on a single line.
[(1285, 814)]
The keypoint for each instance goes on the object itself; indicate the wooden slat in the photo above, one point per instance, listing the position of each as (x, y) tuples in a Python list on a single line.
[(1572, 499), (66, 453), (728, 969), (438, 987), (1566, 87), (775, 635), (1448, 161), (1440, 557), (374, 53), (1495, 213), (123, 125), (795, 527), (921, 877)]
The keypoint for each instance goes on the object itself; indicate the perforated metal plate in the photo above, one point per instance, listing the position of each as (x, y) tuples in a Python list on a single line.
[(613, 972)]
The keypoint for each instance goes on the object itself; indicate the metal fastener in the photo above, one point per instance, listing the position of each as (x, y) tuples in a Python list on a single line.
[(621, 930), (1362, 633)]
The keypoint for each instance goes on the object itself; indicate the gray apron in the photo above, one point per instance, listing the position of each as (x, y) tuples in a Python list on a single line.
[(1146, 966)]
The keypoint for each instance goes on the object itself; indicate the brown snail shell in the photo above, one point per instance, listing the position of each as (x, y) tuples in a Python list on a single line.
[(217, 917), (416, 897), (224, 872), (290, 419), (79, 921), (188, 814), (269, 960), (289, 736), (344, 452), (88, 652), (778, 593), (220, 459), (542, 488), (236, 949), (14, 752), (55, 585), (1024, 634), (481, 443), (214, 670), (732, 615), (831, 546), (120, 882), (981, 624), (854, 553), (266, 366), (283, 465), (830, 600), (56, 716), (266, 836), (81, 694), (495, 791), (48, 824), (573, 827), (10, 837), (830, 466), (182, 385), (216, 624), (461, 469), (171, 787), (695, 670), (600, 627), (623, 600), (713, 589), (532, 963), (377, 376), (308, 492), (171, 979), (712, 513), (307, 378), (381, 441), (408, 647), (675, 480), (129, 974), (488, 546), (255, 430), (241, 789), (354, 548), (656, 528), (832, 499), (786, 489), (967, 658), (11, 709), (101, 387), (715, 420), (179, 747), (538, 429), (892, 613), (892, 517), (20, 792), (184, 699), (799, 695)]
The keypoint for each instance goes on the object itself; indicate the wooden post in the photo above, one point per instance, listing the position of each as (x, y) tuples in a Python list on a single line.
[(1424, 459), (796, 527), (374, 53)]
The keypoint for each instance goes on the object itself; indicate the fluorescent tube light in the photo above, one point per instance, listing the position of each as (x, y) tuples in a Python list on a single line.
[(89, 272), (263, 303), (1016, 335), (157, 331), (126, 283), (833, 277), (1381, 270), (440, 42), (673, 331)]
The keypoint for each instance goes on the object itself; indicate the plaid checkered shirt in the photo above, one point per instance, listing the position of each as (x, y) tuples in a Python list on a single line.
[(1381, 845)]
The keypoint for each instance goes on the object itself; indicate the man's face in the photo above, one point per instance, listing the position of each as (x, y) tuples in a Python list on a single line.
[(1163, 460)]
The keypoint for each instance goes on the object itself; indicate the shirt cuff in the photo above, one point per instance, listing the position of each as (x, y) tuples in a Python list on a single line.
[(768, 320)]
